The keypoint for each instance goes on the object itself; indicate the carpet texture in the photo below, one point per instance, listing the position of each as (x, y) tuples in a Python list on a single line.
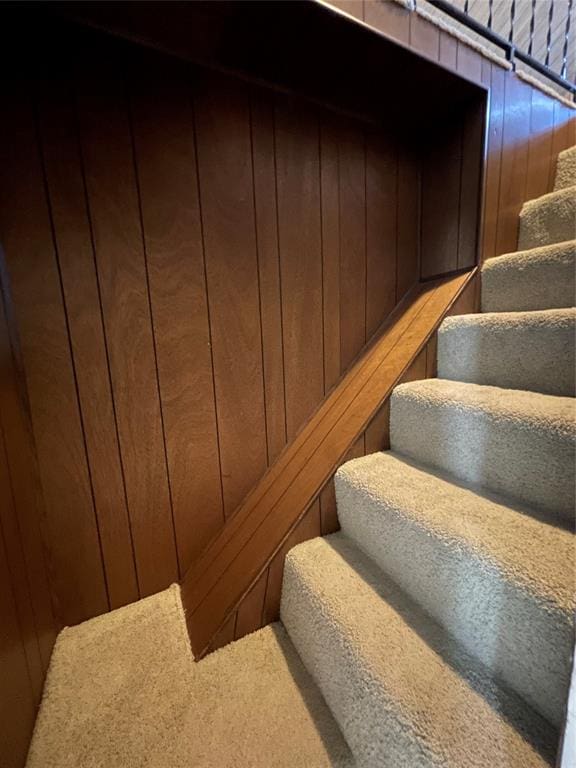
[(515, 350), (503, 578), (565, 169), (123, 692), (521, 444), (403, 692), (548, 219), (541, 278)]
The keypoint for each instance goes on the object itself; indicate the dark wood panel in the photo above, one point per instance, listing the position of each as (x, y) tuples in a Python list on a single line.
[(381, 228), (470, 185), (17, 702), (26, 234), (540, 159), (330, 196), (308, 527), (166, 160), (227, 198), (494, 77), (73, 237), (352, 159), (408, 229), (114, 204), (26, 497), (298, 179), (441, 212), (513, 169), (389, 18), (264, 160), (469, 62), (250, 612)]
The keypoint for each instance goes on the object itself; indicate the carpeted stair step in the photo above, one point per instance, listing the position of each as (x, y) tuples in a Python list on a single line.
[(498, 578), (517, 443), (540, 278), (517, 350), (123, 691), (548, 219), (566, 169), (402, 690)]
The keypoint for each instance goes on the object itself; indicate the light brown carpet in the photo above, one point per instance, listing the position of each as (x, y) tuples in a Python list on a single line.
[(124, 692)]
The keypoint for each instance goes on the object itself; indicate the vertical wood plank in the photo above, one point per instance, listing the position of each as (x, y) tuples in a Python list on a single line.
[(122, 272), (330, 195), (469, 62), (25, 231), (269, 271), (381, 228), (72, 231), (424, 37), (470, 175), (540, 160), (298, 179), (408, 228), (564, 134), (25, 486), (308, 527), (225, 634), (377, 433), (18, 576), (249, 614), (17, 705), (417, 369), (328, 512), (167, 176), (389, 18), (432, 357), (495, 78), (442, 169), (227, 200), (352, 244), (514, 162), (448, 53)]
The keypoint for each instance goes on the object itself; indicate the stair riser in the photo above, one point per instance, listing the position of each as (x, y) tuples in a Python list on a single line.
[(367, 717), (566, 169), (542, 279), (528, 462), (535, 356), (548, 221), (521, 640)]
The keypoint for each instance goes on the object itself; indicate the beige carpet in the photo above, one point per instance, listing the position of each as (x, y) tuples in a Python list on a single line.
[(124, 692), (405, 694), (548, 219)]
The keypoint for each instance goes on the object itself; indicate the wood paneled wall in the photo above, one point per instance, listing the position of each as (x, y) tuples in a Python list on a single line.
[(193, 263), (27, 625), (526, 128)]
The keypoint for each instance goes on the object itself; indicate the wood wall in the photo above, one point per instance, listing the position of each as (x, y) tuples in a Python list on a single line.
[(526, 128), (193, 263)]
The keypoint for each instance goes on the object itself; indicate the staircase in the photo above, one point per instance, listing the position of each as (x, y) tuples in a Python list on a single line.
[(436, 628)]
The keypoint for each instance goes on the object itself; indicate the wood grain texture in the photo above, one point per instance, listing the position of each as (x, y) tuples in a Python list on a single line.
[(115, 208), (163, 124), (236, 559)]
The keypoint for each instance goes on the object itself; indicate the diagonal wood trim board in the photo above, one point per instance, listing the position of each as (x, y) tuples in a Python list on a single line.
[(235, 559)]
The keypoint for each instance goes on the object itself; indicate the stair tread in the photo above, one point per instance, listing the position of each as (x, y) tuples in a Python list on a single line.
[(538, 278), (531, 350), (548, 219), (529, 548), (403, 691), (485, 557), (514, 442), (124, 690)]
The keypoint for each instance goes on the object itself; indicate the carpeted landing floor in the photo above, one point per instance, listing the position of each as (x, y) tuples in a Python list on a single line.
[(123, 690)]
